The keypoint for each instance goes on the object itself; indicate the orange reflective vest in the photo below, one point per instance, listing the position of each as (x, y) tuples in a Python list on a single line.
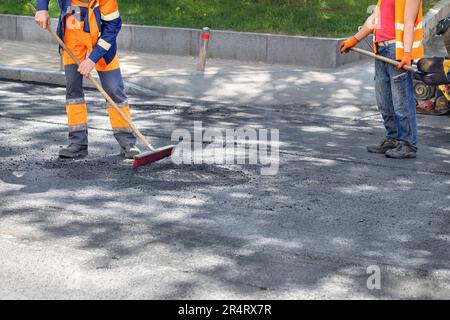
[(418, 50), (103, 22)]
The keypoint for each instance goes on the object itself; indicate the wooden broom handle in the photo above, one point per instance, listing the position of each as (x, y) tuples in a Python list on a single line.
[(95, 83)]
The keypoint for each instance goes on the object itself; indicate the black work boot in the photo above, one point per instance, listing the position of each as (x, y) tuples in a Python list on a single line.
[(384, 146), (129, 151), (403, 151), (74, 151)]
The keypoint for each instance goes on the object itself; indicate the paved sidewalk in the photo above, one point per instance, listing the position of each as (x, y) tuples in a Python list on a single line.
[(224, 81), (349, 90)]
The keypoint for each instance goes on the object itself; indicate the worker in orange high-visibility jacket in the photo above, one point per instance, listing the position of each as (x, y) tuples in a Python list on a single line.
[(397, 27), (89, 28)]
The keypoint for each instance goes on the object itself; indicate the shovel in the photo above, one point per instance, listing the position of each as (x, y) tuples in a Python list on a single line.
[(381, 58)]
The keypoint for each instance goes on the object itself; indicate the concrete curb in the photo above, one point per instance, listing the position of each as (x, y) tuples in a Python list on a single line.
[(56, 77), (440, 11), (243, 46), (32, 75)]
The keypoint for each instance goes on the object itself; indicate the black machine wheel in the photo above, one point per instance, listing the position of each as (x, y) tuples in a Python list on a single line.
[(423, 91)]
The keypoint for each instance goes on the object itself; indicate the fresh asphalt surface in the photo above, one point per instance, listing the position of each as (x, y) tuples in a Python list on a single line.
[(95, 228)]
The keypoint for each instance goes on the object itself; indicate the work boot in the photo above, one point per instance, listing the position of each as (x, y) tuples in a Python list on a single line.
[(385, 145), (129, 151), (73, 151), (403, 151)]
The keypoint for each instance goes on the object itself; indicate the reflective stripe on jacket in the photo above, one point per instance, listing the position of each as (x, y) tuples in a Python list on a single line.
[(418, 50), (103, 23)]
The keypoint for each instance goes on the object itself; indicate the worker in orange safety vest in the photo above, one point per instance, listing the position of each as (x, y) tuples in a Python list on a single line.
[(90, 28), (397, 27)]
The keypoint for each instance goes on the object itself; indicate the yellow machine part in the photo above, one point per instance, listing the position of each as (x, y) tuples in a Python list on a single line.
[(442, 88), (446, 66), (446, 70)]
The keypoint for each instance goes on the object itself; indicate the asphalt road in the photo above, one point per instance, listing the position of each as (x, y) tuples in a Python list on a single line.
[(95, 228)]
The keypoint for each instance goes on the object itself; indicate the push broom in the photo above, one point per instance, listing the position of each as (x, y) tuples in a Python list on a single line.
[(142, 159)]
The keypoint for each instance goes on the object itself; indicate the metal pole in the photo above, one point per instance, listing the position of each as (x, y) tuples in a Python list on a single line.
[(204, 36)]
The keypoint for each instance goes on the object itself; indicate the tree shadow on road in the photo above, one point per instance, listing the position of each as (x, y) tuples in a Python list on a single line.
[(310, 231)]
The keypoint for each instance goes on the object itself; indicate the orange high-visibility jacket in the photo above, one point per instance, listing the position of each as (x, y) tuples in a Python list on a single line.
[(103, 22), (418, 50)]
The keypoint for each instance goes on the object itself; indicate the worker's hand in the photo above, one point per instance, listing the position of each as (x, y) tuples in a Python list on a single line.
[(406, 61), (42, 18), (86, 67), (348, 44)]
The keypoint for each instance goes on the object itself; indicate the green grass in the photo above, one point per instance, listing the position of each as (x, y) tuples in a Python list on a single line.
[(327, 18)]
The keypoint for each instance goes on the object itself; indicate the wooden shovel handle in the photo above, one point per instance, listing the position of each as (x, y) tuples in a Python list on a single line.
[(381, 58)]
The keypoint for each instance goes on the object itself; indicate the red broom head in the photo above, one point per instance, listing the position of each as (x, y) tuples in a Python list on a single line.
[(152, 156)]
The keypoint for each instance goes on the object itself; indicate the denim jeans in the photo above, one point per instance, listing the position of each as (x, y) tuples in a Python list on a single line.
[(395, 99)]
